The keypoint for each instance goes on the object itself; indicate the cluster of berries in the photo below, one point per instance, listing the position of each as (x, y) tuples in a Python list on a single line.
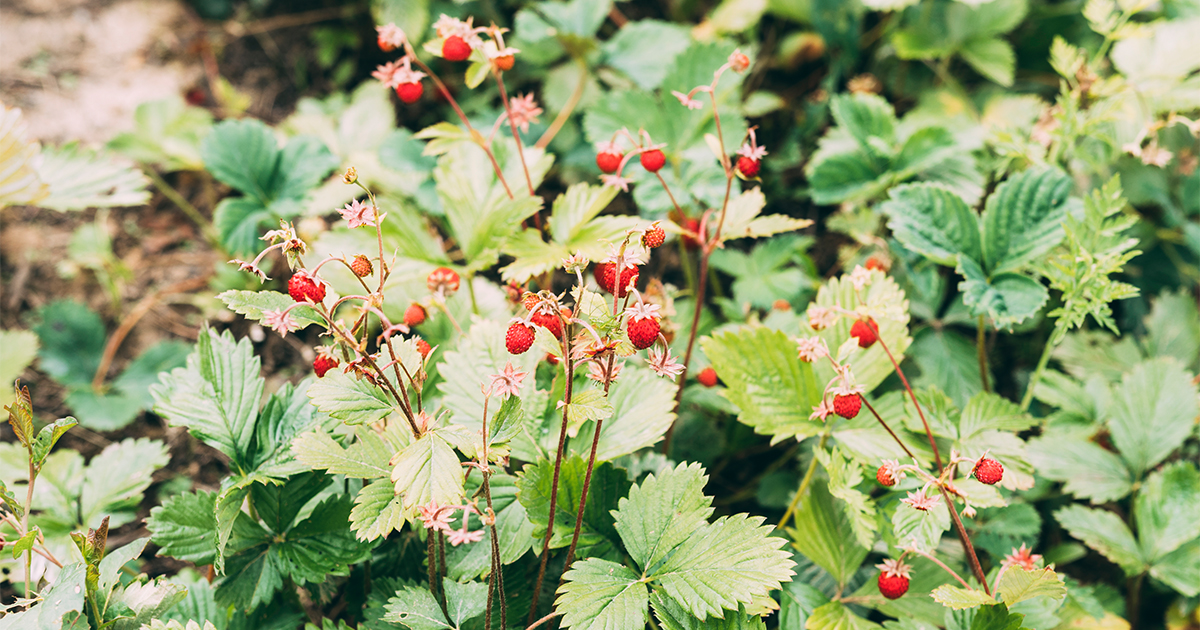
[(459, 40)]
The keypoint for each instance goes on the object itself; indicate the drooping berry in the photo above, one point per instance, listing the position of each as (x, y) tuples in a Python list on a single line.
[(302, 287), (847, 406), (361, 266), (643, 332), (455, 48), (519, 338), (692, 226), (864, 331), (423, 347), (707, 377), (893, 586), (606, 277), (323, 363), (884, 476), (549, 321), (874, 263), (748, 167), (442, 279), (410, 93), (529, 300), (653, 160), (609, 161), (414, 315), (988, 470), (654, 236), (504, 63)]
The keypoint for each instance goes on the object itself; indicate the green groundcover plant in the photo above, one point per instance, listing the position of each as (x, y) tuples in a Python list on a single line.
[(504, 375)]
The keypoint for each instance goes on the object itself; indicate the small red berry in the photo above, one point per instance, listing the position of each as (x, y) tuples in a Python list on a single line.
[(864, 331), (874, 263), (455, 48), (782, 305), (748, 167), (423, 347), (893, 586), (519, 338), (847, 406), (298, 287), (548, 321), (551, 359), (442, 279), (529, 300), (643, 332), (884, 476), (361, 266), (690, 242), (654, 236), (410, 92), (414, 315), (323, 364), (653, 160), (988, 470), (504, 63), (707, 377), (609, 161), (606, 277)]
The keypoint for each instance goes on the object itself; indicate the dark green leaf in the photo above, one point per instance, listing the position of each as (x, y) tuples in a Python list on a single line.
[(1023, 218), (608, 485), (184, 527), (598, 594), (1007, 298), (933, 221), (72, 339)]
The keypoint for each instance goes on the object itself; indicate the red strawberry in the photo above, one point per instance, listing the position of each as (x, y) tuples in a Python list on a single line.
[(606, 277), (323, 364), (643, 332), (748, 167), (782, 305), (847, 406), (691, 225), (865, 332), (414, 315), (519, 338), (549, 321), (653, 160), (455, 48), (442, 279), (707, 377), (893, 586), (874, 263), (423, 347), (504, 62), (988, 470), (609, 161), (302, 287), (529, 300), (410, 92), (361, 266), (654, 236), (884, 476)]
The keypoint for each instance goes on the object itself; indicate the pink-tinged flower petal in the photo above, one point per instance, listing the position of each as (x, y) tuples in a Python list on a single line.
[(663, 364), (508, 381), (616, 180), (358, 214), (458, 537), (687, 101), (754, 152), (280, 321), (1023, 557), (812, 348), (919, 501)]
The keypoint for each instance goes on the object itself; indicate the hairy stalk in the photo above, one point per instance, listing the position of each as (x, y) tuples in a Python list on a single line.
[(542, 620), (432, 563), (587, 477), (1134, 586), (569, 373), (25, 519), (886, 427), (966, 541), (952, 572), (937, 457), (701, 281), (804, 483), (981, 350), (565, 114), (513, 126)]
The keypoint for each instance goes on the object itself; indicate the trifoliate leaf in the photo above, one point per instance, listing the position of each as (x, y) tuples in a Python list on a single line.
[(598, 594), (1153, 411), (428, 470), (351, 399), (1018, 584), (184, 527), (934, 222), (662, 512)]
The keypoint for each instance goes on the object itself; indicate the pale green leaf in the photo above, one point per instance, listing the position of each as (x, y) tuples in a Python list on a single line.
[(253, 303), (415, 608), (80, 178), (366, 458), (823, 533), (18, 348), (645, 49), (1173, 327), (742, 218), (1167, 509), (643, 407), (844, 475), (65, 596), (351, 399), (959, 598), (184, 527), (602, 595), (378, 511), (835, 616), (662, 512), (992, 57), (921, 528), (119, 474), (1153, 411), (1086, 470), (573, 209), (19, 182), (1023, 218), (428, 470), (167, 134), (469, 365), (1018, 584), (1106, 533), (1007, 298), (988, 411)]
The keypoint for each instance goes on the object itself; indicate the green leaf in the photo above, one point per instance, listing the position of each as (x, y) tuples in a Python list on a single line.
[(515, 531), (773, 390), (428, 470), (167, 134), (65, 596), (725, 563), (351, 399), (608, 485), (1173, 327), (1086, 470), (118, 476), (1167, 510), (366, 458), (80, 178), (835, 616), (216, 396), (645, 50), (992, 57), (1018, 584), (588, 405), (242, 154), (146, 601), (844, 475), (933, 221), (1007, 298), (415, 608), (573, 209), (1179, 569), (1023, 218), (642, 406), (378, 510), (25, 543), (742, 218), (996, 617), (836, 177), (948, 361), (672, 616), (958, 598), (114, 559), (662, 512), (464, 601), (987, 411), (184, 527), (864, 116), (922, 528), (17, 350), (253, 303), (600, 594), (823, 533), (1106, 533), (1153, 411), (72, 338), (478, 355), (48, 436), (239, 220)]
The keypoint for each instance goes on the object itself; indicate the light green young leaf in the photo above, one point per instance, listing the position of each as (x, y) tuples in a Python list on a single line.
[(18, 348), (987, 411), (147, 601), (415, 608), (992, 57), (958, 598), (573, 209), (824, 535), (66, 595), (835, 616), (80, 178), (922, 528), (1173, 327), (366, 458), (1023, 218), (742, 218), (864, 116), (428, 470), (1167, 510), (167, 135), (378, 511), (253, 303), (1086, 470), (844, 475), (589, 405), (602, 595), (1018, 584), (478, 355), (643, 407), (774, 391), (1153, 411), (662, 512), (350, 399), (933, 221), (645, 50), (1106, 533)]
